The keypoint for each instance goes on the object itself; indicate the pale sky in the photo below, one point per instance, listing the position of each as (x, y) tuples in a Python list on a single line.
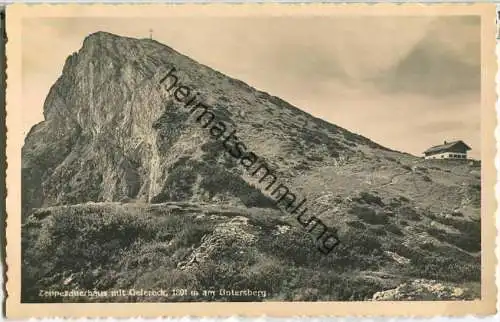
[(405, 82)]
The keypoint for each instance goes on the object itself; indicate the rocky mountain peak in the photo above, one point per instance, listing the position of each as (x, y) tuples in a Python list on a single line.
[(108, 109)]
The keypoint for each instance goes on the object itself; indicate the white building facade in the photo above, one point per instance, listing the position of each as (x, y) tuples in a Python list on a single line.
[(447, 155), (456, 150)]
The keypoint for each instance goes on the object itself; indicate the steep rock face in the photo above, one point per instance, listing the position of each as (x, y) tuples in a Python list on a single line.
[(111, 131)]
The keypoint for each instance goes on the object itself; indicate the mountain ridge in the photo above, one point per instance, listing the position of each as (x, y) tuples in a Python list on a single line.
[(104, 45), (103, 34)]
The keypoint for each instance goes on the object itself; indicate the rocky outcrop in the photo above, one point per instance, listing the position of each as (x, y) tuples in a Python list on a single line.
[(424, 290), (232, 238)]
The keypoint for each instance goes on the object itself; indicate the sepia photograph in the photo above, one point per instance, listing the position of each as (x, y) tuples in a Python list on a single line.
[(251, 156)]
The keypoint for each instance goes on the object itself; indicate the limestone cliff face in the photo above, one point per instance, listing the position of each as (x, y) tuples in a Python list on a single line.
[(111, 131), (97, 134)]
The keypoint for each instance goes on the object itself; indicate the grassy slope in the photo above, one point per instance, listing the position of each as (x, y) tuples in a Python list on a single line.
[(112, 245)]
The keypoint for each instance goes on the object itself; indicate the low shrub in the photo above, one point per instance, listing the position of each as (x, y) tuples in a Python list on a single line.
[(470, 243), (191, 234), (448, 269), (378, 231), (409, 213), (403, 222), (402, 250), (267, 274), (429, 246), (303, 166), (77, 239), (398, 202), (220, 181), (349, 288), (369, 215), (394, 229), (349, 143), (296, 247), (363, 244), (453, 252), (369, 198), (356, 251), (356, 224), (465, 226), (431, 215), (404, 199), (314, 158), (474, 193), (470, 233)]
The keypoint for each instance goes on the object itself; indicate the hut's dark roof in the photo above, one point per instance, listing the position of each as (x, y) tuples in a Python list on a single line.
[(445, 147)]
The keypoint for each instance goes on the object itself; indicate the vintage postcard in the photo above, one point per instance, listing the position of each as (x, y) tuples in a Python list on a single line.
[(280, 160)]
